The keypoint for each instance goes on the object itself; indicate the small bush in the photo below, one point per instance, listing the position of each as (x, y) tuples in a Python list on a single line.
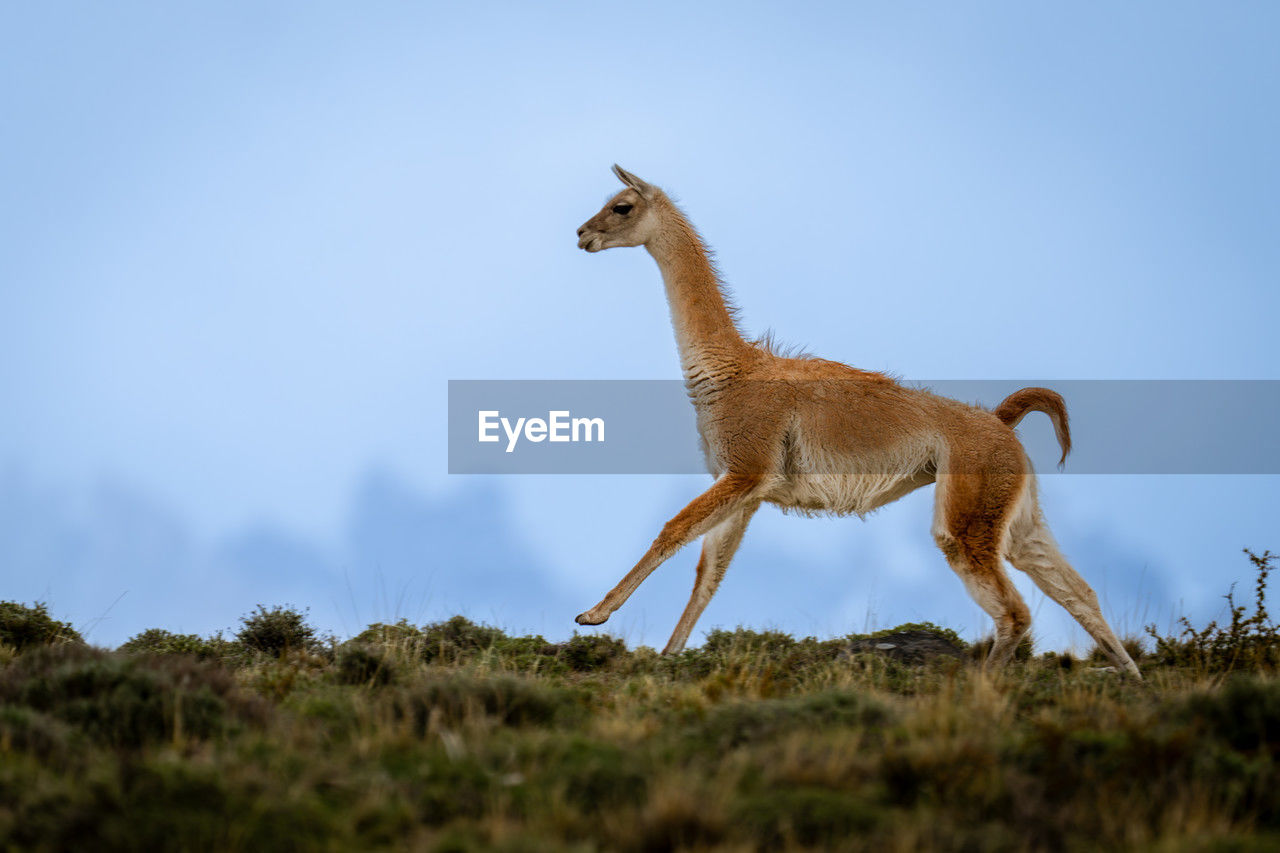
[(456, 639), (812, 817), (22, 626), (772, 653), (945, 634), (26, 730), (586, 652), (158, 641), (1245, 713), (743, 641), (119, 700), (276, 631), (358, 663), (911, 643), (400, 636), (459, 640), (160, 802), (734, 724), (531, 653), (599, 776), (503, 700), (1247, 642), (444, 789)]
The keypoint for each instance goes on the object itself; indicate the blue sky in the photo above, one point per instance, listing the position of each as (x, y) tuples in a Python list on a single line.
[(245, 248)]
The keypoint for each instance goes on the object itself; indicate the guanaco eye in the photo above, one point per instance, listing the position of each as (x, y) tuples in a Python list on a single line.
[(622, 209)]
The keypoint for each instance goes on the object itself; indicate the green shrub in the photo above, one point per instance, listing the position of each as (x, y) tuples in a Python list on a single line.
[(743, 641), (342, 712), (530, 653), (358, 663), (22, 626), (457, 638), (160, 802), (190, 806), (400, 636), (814, 817), (598, 776), (443, 788), (24, 729), (910, 643), (1247, 642), (1245, 713), (158, 641), (509, 700), (945, 634), (119, 700), (585, 652), (276, 631), (734, 724)]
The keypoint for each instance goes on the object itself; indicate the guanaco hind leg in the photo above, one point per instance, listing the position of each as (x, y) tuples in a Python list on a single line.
[(1032, 549), (968, 526), (718, 547)]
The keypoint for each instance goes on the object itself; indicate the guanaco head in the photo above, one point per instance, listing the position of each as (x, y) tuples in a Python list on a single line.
[(628, 219)]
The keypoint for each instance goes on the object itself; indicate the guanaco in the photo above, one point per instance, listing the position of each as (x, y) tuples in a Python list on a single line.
[(817, 436)]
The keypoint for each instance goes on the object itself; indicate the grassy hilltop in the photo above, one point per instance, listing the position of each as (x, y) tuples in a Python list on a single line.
[(456, 736)]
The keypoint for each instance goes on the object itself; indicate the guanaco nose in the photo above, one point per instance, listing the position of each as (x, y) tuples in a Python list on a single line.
[(581, 230)]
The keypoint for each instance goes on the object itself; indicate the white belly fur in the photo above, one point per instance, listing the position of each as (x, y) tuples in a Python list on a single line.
[(841, 484)]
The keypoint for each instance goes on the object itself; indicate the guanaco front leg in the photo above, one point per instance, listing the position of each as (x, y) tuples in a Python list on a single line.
[(727, 495)]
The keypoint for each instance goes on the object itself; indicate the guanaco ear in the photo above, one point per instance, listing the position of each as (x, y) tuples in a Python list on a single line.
[(632, 181)]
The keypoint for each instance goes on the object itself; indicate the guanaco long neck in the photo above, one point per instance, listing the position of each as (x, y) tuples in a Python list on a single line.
[(711, 347)]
